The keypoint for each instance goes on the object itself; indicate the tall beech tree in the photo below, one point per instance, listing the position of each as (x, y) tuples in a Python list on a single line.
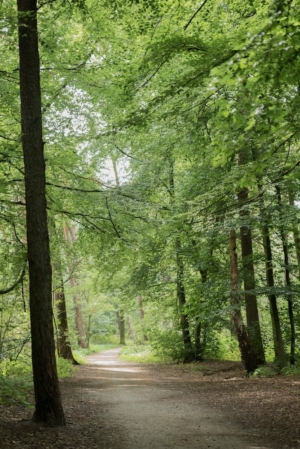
[(48, 406)]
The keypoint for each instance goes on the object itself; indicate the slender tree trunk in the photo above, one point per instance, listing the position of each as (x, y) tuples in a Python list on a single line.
[(70, 236), (287, 279), (276, 327), (184, 320), (121, 324), (142, 315), (63, 343), (253, 326), (88, 332), (277, 335), (48, 407), (129, 329), (247, 355), (79, 323), (199, 347), (295, 230)]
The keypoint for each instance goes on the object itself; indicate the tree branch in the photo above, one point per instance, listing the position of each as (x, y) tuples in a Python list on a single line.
[(111, 220), (12, 287), (194, 15)]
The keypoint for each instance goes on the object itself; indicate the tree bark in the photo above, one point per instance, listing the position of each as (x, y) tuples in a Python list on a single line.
[(48, 407), (246, 351)]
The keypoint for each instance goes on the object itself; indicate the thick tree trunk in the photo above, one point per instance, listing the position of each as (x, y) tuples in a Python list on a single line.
[(63, 344), (289, 295), (253, 326), (48, 407), (247, 355)]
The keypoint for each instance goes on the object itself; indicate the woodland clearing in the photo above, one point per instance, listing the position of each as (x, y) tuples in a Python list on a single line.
[(110, 403)]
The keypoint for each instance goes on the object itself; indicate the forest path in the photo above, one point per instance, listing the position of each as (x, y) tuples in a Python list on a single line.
[(112, 404), (147, 411)]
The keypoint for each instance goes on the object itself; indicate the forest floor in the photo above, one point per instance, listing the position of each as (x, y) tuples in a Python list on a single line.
[(112, 404)]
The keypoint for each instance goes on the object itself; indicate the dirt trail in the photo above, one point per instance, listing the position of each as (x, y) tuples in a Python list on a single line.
[(157, 413), (111, 404)]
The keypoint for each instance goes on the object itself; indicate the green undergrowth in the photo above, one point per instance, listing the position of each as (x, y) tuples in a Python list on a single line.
[(271, 370), (142, 354), (16, 383), (80, 353)]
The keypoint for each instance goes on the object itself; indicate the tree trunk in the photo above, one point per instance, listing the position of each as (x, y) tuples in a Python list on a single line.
[(121, 324), (198, 346), (63, 344), (70, 236), (130, 332), (142, 315), (295, 230), (276, 327), (247, 355), (48, 407), (289, 295), (253, 326), (184, 321), (277, 335), (88, 332)]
